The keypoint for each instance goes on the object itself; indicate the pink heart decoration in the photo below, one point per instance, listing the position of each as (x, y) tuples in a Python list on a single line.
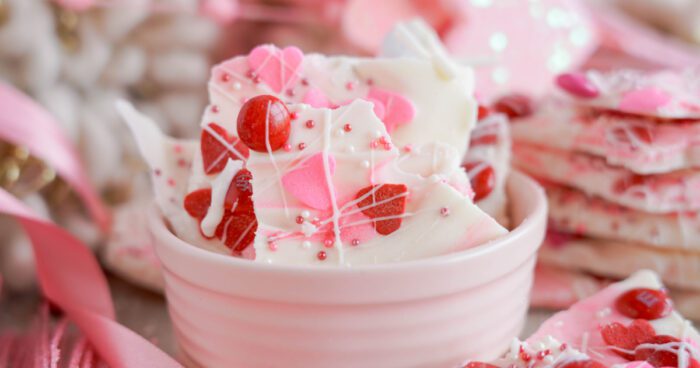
[(316, 98), (308, 182), (393, 109), (644, 100), (278, 68)]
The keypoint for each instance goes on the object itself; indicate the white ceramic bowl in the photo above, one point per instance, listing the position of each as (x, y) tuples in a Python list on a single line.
[(436, 312)]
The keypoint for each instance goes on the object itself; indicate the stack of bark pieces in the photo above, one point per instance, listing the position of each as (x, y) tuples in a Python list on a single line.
[(618, 153)]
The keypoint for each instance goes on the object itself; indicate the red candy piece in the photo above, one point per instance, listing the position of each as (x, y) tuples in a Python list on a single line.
[(644, 303), (237, 228), (482, 178), (240, 187), (384, 206), (480, 365), (197, 203), (482, 112), (215, 153), (515, 106), (628, 338), (581, 364), (663, 356), (264, 120)]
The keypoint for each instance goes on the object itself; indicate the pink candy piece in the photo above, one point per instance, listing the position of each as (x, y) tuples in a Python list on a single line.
[(316, 98), (577, 84), (308, 183), (393, 109), (278, 68), (644, 100)]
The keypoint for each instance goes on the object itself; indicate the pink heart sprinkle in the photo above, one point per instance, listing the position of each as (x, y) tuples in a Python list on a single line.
[(644, 100), (578, 85), (279, 69), (316, 98), (308, 183), (397, 110)]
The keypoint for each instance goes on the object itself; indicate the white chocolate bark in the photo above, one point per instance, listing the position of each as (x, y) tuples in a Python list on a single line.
[(439, 92), (574, 212), (575, 335), (666, 94), (580, 326), (350, 162), (637, 143), (678, 191), (616, 259), (558, 288)]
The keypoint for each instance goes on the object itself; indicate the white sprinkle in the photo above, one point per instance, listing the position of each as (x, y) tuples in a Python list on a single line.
[(378, 134), (305, 214), (237, 85), (340, 132), (306, 244), (350, 149), (365, 164)]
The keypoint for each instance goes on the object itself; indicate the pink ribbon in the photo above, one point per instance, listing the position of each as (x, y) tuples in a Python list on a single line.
[(68, 272), (23, 122)]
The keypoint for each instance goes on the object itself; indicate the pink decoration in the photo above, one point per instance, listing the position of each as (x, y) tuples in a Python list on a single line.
[(308, 183), (644, 100), (393, 109), (68, 272), (278, 68), (25, 123), (316, 98), (578, 85)]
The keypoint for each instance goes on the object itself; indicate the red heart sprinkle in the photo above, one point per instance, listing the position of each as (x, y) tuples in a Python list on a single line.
[(215, 153), (197, 203), (240, 187), (581, 364), (384, 205), (627, 338), (482, 178), (663, 356), (264, 120), (482, 112), (515, 106), (644, 303), (237, 228), (644, 353), (480, 365)]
